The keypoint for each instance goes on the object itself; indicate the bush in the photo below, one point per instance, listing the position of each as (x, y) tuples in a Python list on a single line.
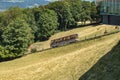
[(17, 36), (33, 50)]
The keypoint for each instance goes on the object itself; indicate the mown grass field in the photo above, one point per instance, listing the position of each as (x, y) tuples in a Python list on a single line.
[(106, 68), (84, 32), (69, 62)]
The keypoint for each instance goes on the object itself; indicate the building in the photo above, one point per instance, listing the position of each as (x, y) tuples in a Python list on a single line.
[(110, 10)]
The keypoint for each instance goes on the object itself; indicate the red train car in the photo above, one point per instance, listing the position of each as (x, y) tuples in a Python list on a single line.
[(64, 40)]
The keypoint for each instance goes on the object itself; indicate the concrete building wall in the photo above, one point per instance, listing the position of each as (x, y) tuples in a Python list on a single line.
[(105, 19), (110, 10), (111, 19)]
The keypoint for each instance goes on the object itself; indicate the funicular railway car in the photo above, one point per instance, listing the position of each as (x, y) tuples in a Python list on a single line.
[(64, 40)]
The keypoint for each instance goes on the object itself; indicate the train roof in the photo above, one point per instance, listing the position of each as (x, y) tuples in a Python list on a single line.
[(63, 37)]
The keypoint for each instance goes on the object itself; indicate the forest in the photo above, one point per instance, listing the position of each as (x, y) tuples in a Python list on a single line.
[(20, 27)]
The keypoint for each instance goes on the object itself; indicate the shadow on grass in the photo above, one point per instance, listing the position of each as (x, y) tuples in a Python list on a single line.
[(107, 68), (9, 59)]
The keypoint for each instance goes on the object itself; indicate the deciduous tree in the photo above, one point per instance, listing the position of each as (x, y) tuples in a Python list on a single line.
[(65, 18), (17, 36), (47, 23)]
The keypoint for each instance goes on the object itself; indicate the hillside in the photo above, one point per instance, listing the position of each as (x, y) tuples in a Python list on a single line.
[(107, 68), (70, 62), (84, 32)]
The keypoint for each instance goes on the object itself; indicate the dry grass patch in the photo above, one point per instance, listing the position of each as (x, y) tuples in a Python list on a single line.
[(63, 63), (84, 32)]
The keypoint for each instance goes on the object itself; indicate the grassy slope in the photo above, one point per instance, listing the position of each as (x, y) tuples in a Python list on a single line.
[(107, 68), (63, 63), (83, 32)]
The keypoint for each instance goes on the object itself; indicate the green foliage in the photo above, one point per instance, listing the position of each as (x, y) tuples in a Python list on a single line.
[(19, 27), (93, 11), (76, 8), (33, 50), (65, 17), (3, 52), (85, 15), (29, 18), (46, 22), (17, 37), (10, 15)]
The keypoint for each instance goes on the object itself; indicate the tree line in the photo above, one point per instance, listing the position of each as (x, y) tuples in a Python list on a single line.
[(21, 27)]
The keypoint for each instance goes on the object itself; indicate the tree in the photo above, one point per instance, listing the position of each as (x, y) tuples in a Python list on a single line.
[(8, 16), (11, 14), (93, 11), (17, 37), (47, 24), (3, 53), (99, 17), (76, 8), (65, 18), (30, 19), (86, 9)]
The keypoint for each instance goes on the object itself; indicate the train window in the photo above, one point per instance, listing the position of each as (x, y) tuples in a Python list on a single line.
[(72, 37), (67, 38)]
